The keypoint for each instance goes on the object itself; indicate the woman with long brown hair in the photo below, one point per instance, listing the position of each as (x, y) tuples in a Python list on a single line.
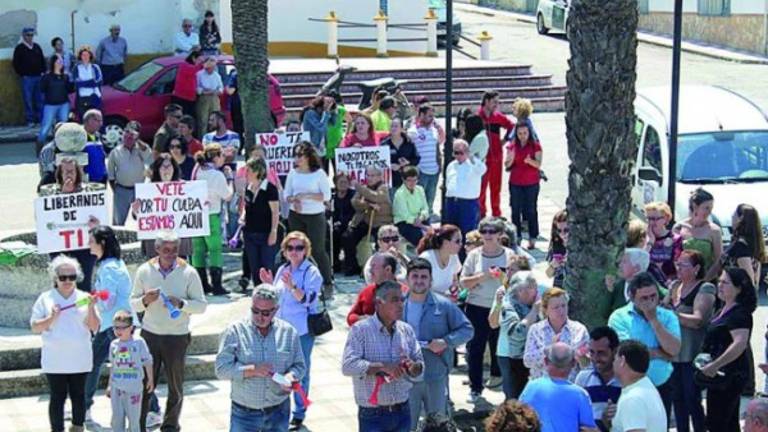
[(441, 248)]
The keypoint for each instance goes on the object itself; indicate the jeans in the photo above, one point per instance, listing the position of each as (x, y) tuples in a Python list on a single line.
[(524, 201), (398, 419), (52, 114), (33, 98), (60, 386), (123, 197), (432, 396), (307, 342), (259, 254), (244, 419), (514, 376), (464, 213), (429, 183), (665, 392), (100, 344), (168, 353), (316, 228), (484, 334), (686, 398)]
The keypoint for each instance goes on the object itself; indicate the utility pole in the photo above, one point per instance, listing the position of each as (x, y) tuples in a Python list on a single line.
[(448, 145), (676, 48)]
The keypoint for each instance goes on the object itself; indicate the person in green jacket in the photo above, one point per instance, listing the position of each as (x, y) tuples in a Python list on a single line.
[(335, 130)]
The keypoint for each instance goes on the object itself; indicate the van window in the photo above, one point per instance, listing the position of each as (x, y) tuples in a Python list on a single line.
[(639, 125), (652, 150)]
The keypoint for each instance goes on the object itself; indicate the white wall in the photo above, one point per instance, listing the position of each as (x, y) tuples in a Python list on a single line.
[(690, 6)]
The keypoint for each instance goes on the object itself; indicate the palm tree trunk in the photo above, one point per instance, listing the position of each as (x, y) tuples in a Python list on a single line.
[(601, 145), (249, 35)]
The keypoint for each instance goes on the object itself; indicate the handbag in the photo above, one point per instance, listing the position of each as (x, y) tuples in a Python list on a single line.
[(319, 323)]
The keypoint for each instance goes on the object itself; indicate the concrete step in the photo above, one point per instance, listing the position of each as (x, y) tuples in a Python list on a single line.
[(417, 85), (28, 382), (545, 104), (27, 354), (408, 74)]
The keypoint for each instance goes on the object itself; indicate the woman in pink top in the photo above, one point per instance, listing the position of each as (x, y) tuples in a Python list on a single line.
[(361, 134), (185, 87)]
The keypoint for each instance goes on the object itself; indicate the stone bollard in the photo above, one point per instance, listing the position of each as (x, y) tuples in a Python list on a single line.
[(431, 20), (485, 45), (381, 34), (333, 34)]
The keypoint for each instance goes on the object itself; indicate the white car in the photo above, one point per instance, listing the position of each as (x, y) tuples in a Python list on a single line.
[(552, 15), (722, 147)]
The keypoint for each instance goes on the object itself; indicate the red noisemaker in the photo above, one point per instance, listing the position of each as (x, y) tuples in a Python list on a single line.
[(102, 295), (381, 379)]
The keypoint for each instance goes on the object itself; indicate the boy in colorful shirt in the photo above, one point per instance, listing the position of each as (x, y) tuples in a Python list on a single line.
[(130, 360)]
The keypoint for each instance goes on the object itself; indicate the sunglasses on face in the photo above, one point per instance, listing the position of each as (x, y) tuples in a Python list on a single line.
[(173, 146), (263, 312), (391, 239), (65, 278), (489, 231), (119, 328), (297, 248), (458, 153), (655, 218)]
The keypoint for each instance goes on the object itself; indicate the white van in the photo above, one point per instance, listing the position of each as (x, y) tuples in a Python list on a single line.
[(722, 147)]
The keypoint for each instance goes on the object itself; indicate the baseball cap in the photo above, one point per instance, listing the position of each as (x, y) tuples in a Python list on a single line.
[(28, 30)]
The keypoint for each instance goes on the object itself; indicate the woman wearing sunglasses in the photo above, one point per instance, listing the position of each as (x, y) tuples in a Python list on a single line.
[(480, 275), (441, 248), (66, 355), (299, 284), (388, 241)]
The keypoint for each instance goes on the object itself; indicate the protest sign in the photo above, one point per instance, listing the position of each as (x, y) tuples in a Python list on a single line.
[(177, 206), (279, 149), (354, 160), (62, 220)]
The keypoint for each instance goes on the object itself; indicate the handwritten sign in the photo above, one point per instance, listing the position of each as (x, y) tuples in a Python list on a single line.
[(354, 160), (62, 220), (177, 206), (279, 149)]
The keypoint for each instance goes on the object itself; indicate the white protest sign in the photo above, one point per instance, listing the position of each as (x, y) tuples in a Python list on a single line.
[(62, 220), (176, 206), (354, 160), (279, 149)]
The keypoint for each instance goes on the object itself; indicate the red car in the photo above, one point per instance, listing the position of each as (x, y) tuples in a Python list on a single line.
[(143, 94)]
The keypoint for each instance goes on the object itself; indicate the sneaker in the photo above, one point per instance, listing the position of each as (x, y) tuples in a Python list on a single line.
[(154, 419), (493, 382), (473, 397), (296, 424), (88, 418)]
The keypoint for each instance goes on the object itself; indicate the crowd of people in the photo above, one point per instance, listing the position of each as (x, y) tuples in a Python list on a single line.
[(436, 282)]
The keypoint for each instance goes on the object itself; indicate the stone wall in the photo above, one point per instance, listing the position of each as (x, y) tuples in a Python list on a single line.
[(743, 32)]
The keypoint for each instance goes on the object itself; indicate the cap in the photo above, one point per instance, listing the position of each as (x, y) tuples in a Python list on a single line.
[(28, 30)]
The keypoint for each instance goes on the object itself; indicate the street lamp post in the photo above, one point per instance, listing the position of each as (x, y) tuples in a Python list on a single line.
[(448, 144), (674, 109)]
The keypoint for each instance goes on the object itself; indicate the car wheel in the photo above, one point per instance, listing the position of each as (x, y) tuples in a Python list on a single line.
[(540, 26), (113, 132)]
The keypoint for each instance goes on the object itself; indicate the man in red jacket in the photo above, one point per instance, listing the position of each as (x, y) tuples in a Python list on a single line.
[(494, 121), (383, 267)]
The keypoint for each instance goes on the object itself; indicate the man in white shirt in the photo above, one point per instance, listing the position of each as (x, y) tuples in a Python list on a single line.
[(462, 180), (427, 139), (186, 40), (209, 88), (640, 408)]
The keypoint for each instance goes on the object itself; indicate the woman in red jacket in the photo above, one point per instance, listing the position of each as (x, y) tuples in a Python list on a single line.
[(523, 161), (361, 133), (185, 87)]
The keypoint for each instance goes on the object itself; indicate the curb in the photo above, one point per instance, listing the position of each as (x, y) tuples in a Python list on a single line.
[(649, 38)]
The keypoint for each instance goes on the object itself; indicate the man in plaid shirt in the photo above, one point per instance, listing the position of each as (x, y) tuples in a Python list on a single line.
[(383, 356)]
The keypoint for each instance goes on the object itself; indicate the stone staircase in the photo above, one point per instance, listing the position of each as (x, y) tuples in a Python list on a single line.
[(470, 80)]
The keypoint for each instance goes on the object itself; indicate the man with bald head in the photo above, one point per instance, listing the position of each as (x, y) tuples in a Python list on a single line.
[(560, 404), (756, 417)]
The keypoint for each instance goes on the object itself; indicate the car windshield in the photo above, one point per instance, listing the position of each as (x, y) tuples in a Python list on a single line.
[(723, 157), (134, 80)]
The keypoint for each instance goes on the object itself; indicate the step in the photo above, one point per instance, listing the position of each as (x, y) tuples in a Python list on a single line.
[(408, 74), (490, 82), (474, 95), (30, 382)]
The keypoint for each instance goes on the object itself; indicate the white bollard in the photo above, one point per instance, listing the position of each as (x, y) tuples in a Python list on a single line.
[(431, 20), (381, 34), (333, 34), (485, 45)]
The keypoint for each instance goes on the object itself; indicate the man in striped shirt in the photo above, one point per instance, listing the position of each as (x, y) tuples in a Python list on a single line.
[(382, 356), (427, 139), (599, 381), (219, 134)]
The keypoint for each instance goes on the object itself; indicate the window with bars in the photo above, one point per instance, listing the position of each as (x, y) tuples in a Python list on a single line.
[(714, 7)]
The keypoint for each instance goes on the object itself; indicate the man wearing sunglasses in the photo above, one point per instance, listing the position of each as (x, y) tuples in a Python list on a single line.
[(29, 64), (382, 353), (462, 188), (186, 40), (161, 285), (167, 130), (261, 355)]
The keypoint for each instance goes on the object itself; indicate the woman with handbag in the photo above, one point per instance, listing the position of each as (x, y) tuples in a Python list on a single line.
[(726, 343), (693, 300), (299, 284)]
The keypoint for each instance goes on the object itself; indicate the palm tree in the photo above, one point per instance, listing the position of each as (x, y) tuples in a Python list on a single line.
[(249, 34), (601, 145)]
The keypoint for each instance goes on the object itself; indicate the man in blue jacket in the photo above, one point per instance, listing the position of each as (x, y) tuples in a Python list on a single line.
[(440, 326)]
